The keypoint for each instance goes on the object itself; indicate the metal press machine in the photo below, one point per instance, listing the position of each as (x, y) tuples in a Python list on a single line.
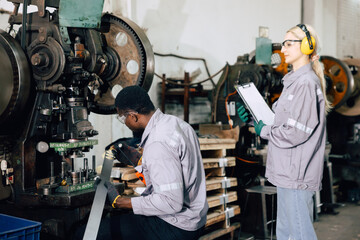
[(59, 66)]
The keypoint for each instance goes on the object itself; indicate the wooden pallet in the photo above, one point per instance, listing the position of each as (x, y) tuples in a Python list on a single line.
[(218, 162), (216, 143), (221, 232), (218, 186), (217, 216), (124, 173), (219, 198), (214, 183)]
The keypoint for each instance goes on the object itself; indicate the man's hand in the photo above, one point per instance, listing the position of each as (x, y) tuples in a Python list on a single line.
[(125, 153), (242, 113), (112, 193), (258, 127), (115, 199), (109, 154)]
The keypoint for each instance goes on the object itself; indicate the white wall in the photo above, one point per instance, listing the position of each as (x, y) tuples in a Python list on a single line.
[(321, 14), (218, 31), (348, 31)]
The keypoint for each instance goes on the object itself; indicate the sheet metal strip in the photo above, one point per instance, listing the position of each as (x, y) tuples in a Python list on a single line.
[(97, 207)]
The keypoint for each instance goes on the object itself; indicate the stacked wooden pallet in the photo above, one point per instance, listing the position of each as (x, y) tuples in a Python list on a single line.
[(221, 195)]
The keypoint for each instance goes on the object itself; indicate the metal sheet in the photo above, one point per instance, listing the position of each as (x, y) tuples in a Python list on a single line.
[(97, 208)]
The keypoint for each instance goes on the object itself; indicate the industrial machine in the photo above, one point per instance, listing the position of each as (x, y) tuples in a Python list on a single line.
[(60, 66), (343, 125), (267, 79)]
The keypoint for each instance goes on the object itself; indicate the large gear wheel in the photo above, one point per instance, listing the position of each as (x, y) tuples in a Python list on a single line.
[(14, 80), (352, 105), (127, 42), (134, 50), (339, 80)]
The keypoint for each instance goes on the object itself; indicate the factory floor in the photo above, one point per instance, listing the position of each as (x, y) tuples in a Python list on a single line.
[(345, 225), (342, 224)]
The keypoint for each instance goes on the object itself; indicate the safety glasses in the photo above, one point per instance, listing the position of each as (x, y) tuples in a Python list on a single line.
[(123, 117), (288, 43)]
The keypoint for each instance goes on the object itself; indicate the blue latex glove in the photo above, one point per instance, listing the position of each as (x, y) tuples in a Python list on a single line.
[(258, 127), (242, 113)]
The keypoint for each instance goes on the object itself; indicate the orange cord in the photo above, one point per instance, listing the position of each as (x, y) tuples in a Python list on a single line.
[(226, 107), (247, 161)]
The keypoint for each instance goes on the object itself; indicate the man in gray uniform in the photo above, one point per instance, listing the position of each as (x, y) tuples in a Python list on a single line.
[(173, 205)]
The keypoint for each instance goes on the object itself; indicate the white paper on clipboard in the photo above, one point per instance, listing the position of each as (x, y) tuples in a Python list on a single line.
[(255, 103)]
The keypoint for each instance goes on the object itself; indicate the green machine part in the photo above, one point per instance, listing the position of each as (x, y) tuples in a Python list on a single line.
[(64, 146), (80, 13), (263, 51)]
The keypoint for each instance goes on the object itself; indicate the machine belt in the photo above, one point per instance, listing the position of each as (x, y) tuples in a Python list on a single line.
[(97, 208)]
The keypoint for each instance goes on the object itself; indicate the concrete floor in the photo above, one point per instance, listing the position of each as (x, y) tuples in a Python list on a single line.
[(343, 226)]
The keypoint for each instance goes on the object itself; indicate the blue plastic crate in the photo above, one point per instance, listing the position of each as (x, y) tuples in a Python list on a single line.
[(18, 228)]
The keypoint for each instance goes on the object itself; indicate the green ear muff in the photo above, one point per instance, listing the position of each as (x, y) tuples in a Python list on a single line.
[(308, 43), (305, 46)]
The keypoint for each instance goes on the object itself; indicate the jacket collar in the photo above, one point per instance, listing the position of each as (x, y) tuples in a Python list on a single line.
[(292, 76), (151, 124)]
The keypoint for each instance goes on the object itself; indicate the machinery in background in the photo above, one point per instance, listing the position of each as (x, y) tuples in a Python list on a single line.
[(60, 67), (267, 79), (343, 125)]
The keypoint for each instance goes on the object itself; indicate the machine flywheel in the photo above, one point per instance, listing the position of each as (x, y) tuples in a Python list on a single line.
[(128, 43), (14, 79), (339, 80)]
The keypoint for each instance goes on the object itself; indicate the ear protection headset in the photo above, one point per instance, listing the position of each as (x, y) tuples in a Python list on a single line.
[(308, 43)]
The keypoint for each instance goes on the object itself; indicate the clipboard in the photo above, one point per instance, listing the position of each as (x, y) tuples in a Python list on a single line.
[(255, 103)]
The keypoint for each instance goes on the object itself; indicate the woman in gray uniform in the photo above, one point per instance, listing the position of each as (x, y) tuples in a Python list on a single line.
[(296, 140)]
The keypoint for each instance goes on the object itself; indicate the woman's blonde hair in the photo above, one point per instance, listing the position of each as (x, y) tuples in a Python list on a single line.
[(300, 34)]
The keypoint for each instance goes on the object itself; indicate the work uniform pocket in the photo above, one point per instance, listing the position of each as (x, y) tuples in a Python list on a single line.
[(283, 161), (281, 113), (295, 164)]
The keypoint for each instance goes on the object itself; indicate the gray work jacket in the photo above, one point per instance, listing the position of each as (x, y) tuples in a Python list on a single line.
[(297, 138), (174, 174)]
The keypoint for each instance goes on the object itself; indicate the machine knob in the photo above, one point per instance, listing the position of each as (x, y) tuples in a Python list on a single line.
[(39, 59), (89, 133), (42, 147), (94, 132)]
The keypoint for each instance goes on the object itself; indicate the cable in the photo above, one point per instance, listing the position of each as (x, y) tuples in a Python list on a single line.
[(247, 161), (189, 84), (189, 58)]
